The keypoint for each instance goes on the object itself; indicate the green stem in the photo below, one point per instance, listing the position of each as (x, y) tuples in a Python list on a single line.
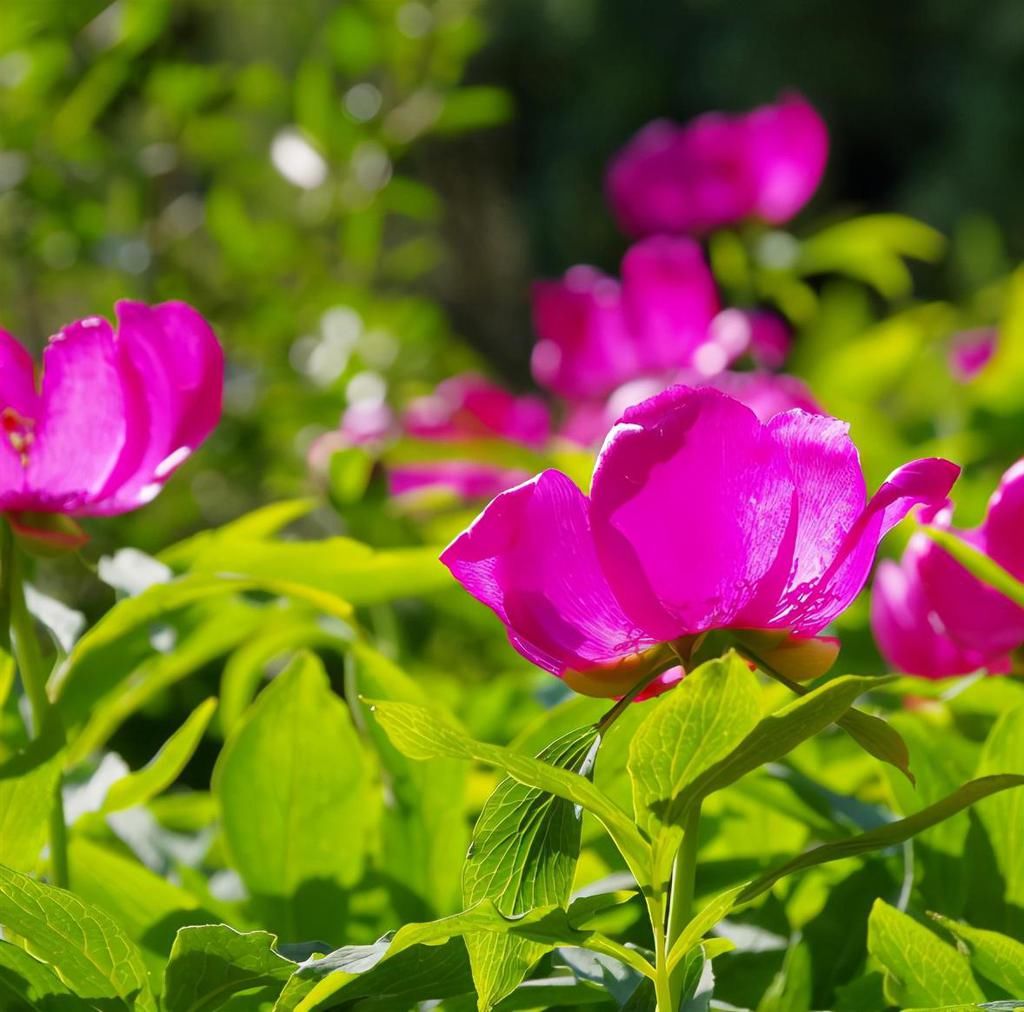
[(680, 910), (32, 669)]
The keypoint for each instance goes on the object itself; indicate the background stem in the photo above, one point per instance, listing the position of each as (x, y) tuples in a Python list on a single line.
[(34, 675), (680, 908)]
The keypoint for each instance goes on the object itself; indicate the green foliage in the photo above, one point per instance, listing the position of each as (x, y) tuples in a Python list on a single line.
[(87, 949), (294, 762), (523, 855)]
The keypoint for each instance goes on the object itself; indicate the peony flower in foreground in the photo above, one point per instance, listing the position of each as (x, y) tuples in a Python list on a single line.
[(719, 169), (111, 415), (596, 333), (931, 617), (766, 394), (700, 517)]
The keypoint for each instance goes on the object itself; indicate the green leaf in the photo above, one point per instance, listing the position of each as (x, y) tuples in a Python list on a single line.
[(26, 985), (774, 737), (28, 780), (210, 963), (421, 973), (89, 951), (424, 733), (291, 784), (1003, 816), (163, 769), (525, 846), (135, 674), (336, 568), (149, 908), (474, 107), (921, 969), (870, 248), (424, 823), (704, 719), (888, 836), (997, 957), (549, 926), (690, 937), (84, 679)]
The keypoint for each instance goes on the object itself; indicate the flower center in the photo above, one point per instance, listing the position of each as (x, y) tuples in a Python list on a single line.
[(19, 432)]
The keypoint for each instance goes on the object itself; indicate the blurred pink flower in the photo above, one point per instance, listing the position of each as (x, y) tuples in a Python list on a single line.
[(931, 617), (462, 409), (596, 333), (719, 169), (699, 517), (114, 413), (971, 352)]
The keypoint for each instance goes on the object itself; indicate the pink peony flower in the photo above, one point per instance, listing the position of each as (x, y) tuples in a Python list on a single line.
[(113, 414), (931, 617), (972, 350), (699, 517), (461, 409), (596, 333), (719, 169)]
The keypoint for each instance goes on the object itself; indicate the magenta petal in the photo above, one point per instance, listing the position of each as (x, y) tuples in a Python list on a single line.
[(20, 411), (172, 369), (909, 633), (975, 615), (767, 394), (921, 482), (194, 361), (670, 299), (828, 500), (691, 503), (643, 183), (1003, 529), (972, 350), (530, 558), (788, 149), (584, 347), (84, 428), (471, 407), (464, 479)]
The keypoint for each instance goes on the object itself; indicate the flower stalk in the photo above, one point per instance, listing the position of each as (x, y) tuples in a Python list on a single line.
[(32, 670)]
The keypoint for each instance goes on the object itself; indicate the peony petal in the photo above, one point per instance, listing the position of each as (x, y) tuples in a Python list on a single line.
[(530, 558), (972, 350), (788, 150), (670, 299), (584, 347), (20, 411), (464, 479), (173, 372), (471, 407), (642, 183), (829, 499), (910, 635), (767, 394), (691, 504), (86, 417), (921, 482), (194, 360), (975, 615), (1003, 529)]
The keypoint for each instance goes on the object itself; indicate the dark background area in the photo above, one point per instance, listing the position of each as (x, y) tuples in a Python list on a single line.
[(923, 101)]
